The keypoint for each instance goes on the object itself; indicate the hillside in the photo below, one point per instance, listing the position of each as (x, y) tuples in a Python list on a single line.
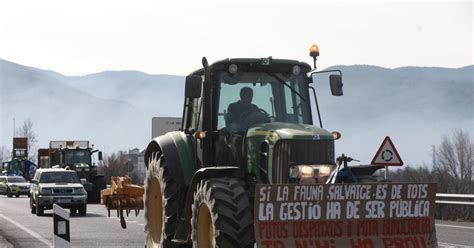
[(416, 106)]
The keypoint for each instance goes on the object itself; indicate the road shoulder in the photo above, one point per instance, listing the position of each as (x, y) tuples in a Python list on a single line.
[(4, 243)]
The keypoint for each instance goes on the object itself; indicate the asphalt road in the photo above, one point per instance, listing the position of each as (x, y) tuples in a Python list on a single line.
[(19, 228), (23, 229)]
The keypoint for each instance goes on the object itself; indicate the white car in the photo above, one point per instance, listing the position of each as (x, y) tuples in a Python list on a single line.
[(59, 186), (14, 185)]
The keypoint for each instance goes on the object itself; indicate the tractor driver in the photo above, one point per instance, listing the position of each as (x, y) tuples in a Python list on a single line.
[(236, 110)]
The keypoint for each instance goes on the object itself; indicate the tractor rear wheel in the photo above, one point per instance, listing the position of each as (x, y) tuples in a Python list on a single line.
[(163, 197), (221, 215)]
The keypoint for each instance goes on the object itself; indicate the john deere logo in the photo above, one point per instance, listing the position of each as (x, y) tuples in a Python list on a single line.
[(316, 137)]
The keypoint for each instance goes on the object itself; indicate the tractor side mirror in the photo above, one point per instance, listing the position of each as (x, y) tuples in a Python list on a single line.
[(193, 86), (336, 84), (100, 156)]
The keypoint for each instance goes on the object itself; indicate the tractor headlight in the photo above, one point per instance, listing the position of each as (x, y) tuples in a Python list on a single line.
[(46, 191), (325, 170), (309, 171)]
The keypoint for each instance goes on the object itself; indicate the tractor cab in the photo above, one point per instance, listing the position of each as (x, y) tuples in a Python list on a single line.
[(238, 110), (80, 161)]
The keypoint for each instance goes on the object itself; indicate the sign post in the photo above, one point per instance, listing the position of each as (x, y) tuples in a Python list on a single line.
[(387, 155), (61, 227)]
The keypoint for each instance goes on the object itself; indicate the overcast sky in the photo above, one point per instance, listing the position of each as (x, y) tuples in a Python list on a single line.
[(87, 36)]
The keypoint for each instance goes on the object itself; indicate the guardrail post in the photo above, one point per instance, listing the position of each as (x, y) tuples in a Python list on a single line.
[(61, 227)]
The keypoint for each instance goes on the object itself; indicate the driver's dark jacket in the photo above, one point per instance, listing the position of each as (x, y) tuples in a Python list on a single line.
[(234, 112)]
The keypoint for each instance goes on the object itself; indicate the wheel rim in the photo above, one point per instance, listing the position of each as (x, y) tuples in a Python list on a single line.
[(205, 230), (155, 212)]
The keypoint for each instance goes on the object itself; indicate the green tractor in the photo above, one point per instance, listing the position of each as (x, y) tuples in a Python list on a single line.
[(19, 165), (75, 155), (245, 122)]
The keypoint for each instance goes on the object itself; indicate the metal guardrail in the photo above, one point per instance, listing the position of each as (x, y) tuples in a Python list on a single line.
[(455, 199)]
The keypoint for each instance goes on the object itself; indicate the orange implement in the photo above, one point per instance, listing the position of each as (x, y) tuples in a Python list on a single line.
[(122, 195)]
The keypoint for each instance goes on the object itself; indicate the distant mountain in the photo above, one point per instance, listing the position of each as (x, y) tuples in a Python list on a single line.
[(416, 106), (59, 111), (155, 93)]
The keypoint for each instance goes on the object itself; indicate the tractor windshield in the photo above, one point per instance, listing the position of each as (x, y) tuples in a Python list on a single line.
[(259, 97), (77, 156)]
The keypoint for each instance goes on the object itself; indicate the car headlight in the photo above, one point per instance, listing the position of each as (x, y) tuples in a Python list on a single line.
[(309, 171), (46, 191), (79, 191)]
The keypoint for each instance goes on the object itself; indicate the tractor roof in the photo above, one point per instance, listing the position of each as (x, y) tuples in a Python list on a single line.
[(256, 63)]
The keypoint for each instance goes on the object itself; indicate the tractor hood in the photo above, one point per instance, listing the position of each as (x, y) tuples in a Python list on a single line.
[(279, 130)]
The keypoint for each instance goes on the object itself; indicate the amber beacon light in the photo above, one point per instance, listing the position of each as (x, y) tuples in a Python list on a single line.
[(314, 52)]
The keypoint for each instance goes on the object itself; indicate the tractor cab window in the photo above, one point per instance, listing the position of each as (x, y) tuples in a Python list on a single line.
[(250, 98), (77, 156)]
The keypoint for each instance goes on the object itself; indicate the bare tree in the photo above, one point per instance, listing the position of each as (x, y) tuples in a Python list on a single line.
[(455, 155), (26, 130), (114, 165), (4, 154), (453, 162)]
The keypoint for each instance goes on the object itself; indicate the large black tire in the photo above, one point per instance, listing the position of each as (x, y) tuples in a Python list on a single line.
[(99, 184), (32, 206), (83, 210), (164, 201), (39, 210), (222, 215)]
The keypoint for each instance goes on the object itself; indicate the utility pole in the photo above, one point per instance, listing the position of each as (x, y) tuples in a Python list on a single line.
[(13, 145)]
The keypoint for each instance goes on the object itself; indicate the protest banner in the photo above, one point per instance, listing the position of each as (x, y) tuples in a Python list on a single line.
[(345, 215)]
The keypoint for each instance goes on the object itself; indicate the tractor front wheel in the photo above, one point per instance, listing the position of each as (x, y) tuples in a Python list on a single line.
[(163, 197), (99, 184), (221, 215)]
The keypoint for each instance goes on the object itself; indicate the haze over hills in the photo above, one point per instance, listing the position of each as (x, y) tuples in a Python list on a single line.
[(415, 106)]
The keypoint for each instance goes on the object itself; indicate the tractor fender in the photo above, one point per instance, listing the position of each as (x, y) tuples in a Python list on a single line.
[(177, 149), (183, 232)]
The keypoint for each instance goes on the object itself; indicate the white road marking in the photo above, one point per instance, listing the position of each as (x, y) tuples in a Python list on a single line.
[(30, 232), (452, 245), (465, 227)]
